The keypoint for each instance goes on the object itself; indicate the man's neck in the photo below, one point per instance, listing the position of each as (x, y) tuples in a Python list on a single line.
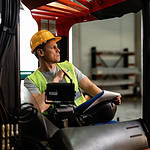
[(45, 67)]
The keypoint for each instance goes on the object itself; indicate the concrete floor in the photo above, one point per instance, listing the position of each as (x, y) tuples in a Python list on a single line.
[(130, 109)]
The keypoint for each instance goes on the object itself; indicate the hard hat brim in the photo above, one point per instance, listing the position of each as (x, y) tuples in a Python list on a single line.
[(58, 38)]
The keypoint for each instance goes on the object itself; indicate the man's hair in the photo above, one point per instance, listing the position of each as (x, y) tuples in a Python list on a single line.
[(41, 46)]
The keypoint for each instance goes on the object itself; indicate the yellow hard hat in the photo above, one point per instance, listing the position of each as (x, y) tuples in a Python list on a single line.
[(40, 37)]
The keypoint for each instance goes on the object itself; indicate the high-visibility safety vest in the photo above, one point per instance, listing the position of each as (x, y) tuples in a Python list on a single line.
[(40, 81)]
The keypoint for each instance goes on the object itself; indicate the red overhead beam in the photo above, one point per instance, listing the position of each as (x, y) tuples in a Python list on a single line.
[(61, 11), (74, 5), (32, 4), (38, 17), (63, 7), (47, 13), (55, 10), (90, 6)]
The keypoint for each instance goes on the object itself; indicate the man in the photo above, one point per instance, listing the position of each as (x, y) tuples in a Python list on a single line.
[(44, 46)]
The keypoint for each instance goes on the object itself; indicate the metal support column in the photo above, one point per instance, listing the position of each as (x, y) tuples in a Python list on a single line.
[(146, 62)]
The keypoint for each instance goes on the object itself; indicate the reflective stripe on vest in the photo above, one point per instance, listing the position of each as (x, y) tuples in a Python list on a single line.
[(40, 81)]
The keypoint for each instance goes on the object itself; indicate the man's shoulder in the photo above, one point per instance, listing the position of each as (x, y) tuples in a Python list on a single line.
[(26, 80), (36, 74)]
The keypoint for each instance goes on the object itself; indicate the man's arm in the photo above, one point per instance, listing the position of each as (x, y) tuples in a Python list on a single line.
[(89, 87), (40, 100), (85, 84), (32, 95)]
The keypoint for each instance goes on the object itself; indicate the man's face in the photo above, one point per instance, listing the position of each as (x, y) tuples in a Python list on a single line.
[(51, 53)]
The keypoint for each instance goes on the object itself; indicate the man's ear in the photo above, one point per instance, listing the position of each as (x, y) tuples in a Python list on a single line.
[(40, 52)]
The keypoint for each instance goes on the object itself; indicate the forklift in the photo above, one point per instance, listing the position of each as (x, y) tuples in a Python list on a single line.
[(22, 126)]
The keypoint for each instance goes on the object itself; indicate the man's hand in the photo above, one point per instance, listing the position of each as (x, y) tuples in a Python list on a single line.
[(117, 100), (59, 76)]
